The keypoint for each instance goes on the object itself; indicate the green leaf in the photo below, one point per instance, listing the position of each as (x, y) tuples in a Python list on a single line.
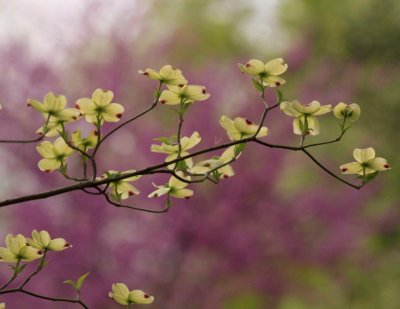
[(157, 94), (71, 283), (19, 269), (239, 148), (279, 96), (369, 177), (257, 84), (181, 166), (162, 139), (80, 281)]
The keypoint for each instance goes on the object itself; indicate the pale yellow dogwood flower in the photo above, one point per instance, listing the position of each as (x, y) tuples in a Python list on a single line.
[(172, 149), (121, 189), (54, 154), (174, 188), (99, 107), (186, 94), (42, 240), (366, 163), (84, 143), (54, 112), (305, 121), (266, 73), (241, 128), (167, 75), (226, 171), (350, 111), (16, 250), (121, 295), (54, 106)]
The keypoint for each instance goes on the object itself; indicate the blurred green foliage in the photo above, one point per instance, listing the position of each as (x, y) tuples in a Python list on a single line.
[(366, 30)]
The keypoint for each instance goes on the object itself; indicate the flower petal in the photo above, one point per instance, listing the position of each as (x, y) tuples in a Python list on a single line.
[(112, 112), (49, 165), (58, 244), (159, 192), (275, 66), (45, 149), (273, 81), (324, 109), (288, 109), (307, 109), (254, 67), (53, 102), (181, 193), (37, 105), (85, 105), (363, 155), (378, 164), (351, 168), (7, 256), (313, 125), (140, 298), (102, 97), (169, 97)]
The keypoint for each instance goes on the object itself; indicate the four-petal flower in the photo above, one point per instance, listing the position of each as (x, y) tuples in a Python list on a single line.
[(225, 171), (185, 94), (305, 122), (54, 111), (99, 108), (266, 73), (42, 240), (121, 295), (366, 163), (16, 250), (349, 111), (172, 150), (241, 128), (167, 75), (54, 154), (174, 188), (121, 189)]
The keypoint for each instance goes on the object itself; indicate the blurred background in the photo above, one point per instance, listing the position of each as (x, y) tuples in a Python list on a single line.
[(281, 234)]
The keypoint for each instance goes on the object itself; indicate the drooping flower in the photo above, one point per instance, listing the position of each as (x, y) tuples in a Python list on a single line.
[(350, 111), (42, 240), (185, 94), (266, 73), (305, 121), (172, 149), (86, 142), (174, 188), (121, 189), (54, 154), (121, 295), (241, 128), (226, 171), (166, 75), (366, 163), (99, 108), (17, 250), (54, 112)]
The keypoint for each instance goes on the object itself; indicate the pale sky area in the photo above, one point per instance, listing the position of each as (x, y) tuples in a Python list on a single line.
[(48, 25)]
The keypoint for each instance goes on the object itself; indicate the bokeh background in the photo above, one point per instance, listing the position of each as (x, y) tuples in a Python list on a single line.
[(281, 234)]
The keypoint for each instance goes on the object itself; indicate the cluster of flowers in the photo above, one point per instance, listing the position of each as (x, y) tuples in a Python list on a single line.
[(100, 108), (305, 121), (20, 249)]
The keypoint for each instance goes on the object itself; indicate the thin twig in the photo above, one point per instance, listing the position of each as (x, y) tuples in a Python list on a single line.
[(330, 172), (109, 200)]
